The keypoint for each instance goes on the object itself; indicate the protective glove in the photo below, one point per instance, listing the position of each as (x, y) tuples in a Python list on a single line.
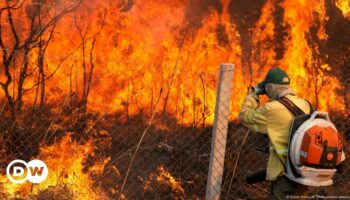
[(254, 95), (256, 177)]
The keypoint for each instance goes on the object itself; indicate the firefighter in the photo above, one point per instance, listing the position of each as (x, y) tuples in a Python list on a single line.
[(274, 119)]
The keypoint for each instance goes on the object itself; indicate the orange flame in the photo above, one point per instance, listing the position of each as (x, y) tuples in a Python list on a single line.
[(344, 6), (156, 57), (310, 79), (166, 180)]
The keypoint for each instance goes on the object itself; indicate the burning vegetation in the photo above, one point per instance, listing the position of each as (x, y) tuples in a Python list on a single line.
[(80, 81)]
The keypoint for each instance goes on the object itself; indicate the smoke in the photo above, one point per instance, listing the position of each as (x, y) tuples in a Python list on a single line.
[(336, 49), (197, 10)]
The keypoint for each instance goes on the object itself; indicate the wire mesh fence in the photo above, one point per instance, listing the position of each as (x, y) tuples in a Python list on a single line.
[(94, 155), (89, 158), (89, 155), (142, 156)]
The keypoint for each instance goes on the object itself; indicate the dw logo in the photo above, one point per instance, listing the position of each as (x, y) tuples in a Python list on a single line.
[(35, 171)]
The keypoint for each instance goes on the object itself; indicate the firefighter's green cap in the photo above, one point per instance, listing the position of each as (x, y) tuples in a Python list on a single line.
[(276, 76)]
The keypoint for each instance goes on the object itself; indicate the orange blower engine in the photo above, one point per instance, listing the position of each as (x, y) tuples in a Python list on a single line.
[(315, 149), (321, 146)]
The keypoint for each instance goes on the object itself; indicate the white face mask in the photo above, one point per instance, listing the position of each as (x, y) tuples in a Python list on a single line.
[(275, 91), (271, 91)]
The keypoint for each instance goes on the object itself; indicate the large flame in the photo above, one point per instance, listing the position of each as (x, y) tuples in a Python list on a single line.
[(308, 74), (163, 64), (157, 56)]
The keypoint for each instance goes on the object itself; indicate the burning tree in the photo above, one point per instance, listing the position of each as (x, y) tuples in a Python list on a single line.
[(24, 39)]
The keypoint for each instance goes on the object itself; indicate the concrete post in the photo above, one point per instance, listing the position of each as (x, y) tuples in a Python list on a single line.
[(218, 146)]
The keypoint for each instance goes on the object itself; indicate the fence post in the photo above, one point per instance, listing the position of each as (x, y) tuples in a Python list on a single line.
[(218, 146)]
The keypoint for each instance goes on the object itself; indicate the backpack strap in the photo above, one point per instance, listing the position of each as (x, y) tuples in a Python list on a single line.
[(311, 107), (292, 107), (297, 112)]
